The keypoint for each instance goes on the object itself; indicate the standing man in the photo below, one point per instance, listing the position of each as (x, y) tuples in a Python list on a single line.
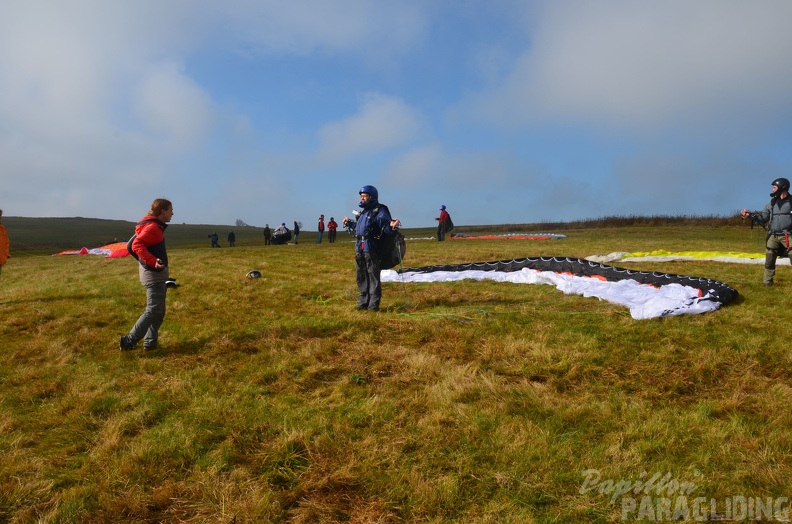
[(321, 229), (296, 230), (373, 222), (148, 247), (231, 239), (777, 214), (442, 223), (5, 244), (332, 226), (267, 235)]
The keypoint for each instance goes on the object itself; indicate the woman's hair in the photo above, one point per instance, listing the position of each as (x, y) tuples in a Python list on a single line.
[(160, 205)]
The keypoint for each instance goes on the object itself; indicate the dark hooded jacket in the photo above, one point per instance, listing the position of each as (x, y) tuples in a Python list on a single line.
[(370, 228)]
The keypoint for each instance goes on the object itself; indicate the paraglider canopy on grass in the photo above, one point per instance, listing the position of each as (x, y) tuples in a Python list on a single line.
[(646, 294), (113, 250)]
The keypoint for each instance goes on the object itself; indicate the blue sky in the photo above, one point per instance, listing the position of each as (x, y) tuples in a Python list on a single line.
[(506, 111)]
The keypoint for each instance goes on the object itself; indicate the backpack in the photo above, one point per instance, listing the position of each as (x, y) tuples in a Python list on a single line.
[(391, 247), (134, 236), (449, 224)]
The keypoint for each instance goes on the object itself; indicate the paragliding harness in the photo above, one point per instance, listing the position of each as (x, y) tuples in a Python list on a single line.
[(448, 224), (134, 236), (766, 226), (391, 247)]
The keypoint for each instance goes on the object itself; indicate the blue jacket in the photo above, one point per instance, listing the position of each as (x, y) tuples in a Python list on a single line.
[(368, 229)]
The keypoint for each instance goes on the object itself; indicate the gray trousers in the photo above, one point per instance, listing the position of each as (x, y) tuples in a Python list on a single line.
[(776, 247), (147, 326), (367, 273)]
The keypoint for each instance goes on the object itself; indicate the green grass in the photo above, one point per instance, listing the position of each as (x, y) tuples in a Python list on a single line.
[(273, 400)]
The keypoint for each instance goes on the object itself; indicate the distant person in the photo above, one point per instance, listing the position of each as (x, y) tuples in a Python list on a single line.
[(442, 223), (214, 238), (267, 235), (296, 230), (231, 239), (777, 216), (5, 244), (367, 260), (321, 227), (349, 223), (332, 226), (282, 235), (149, 248)]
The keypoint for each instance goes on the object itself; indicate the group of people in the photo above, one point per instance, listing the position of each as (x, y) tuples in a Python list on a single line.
[(332, 226), (148, 247), (370, 224), (282, 234), (215, 239)]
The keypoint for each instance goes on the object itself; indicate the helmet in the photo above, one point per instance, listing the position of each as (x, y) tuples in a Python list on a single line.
[(371, 190), (782, 184), (442, 208)]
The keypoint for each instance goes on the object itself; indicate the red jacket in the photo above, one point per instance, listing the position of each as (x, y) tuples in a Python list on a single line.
[(443, 216), (332, 225), (5, 246), (149, 243)]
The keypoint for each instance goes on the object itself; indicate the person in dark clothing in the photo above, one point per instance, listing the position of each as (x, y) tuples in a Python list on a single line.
[(296, 231), (231, 239), (442, 223), (369, 227), (267, 235), (349, 224), (149, 248), (282, 235), (777, 215), (332, 226), (320, 227), (215, 239)]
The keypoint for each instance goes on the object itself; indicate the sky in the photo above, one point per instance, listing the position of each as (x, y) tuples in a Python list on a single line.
[(505, 111)]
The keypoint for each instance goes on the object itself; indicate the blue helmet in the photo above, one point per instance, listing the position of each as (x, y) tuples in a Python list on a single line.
[(371, 190)]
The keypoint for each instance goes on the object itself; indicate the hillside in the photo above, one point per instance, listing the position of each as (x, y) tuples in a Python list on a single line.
[(46, 236)]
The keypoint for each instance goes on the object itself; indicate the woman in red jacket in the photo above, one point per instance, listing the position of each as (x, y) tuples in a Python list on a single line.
[(149, 248)]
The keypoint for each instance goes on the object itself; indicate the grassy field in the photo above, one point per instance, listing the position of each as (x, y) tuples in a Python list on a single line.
[(273, 400)]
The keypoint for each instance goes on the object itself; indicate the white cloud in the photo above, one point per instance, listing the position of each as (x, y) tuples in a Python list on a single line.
[(649, 65), (417, 166), (96, 95), (91, 104), (100, 99), (383, 122), (172, 106), (305, 26)]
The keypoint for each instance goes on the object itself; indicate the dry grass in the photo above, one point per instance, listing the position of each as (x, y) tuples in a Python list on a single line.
[(272, 400)]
